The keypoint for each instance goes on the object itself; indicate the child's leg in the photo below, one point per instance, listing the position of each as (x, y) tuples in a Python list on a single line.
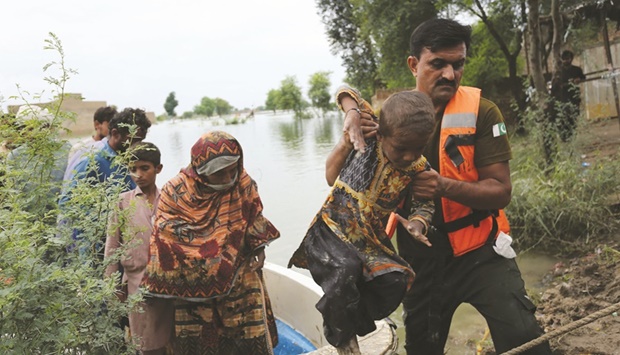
[(337, 269)]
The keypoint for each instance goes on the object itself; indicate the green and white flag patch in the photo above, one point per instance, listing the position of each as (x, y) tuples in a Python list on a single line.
[(499, 129)]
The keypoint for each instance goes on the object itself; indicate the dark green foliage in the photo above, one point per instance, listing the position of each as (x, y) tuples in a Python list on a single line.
[(319, 95), (206, 107), (222, 107), (290, 96), (390, 24), (343, 21), (273, 96), (565, 207), (170, 104), (372, 38)]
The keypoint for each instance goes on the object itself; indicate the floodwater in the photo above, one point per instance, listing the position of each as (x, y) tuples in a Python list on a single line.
[(286, 157)]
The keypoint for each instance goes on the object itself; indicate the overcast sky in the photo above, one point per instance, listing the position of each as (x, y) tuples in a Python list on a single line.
[(133, 53)]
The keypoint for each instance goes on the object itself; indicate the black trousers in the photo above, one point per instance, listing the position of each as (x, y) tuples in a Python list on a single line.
[(350, 304), (489, 282)]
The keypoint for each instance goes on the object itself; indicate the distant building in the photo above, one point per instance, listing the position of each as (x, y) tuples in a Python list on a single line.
[(83, 110)]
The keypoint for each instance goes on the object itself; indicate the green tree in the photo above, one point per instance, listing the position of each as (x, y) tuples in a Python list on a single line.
[(206, 107), (505, 21), (319, 91), (343, 21), (170, 104), (290, 96), (389, 24), (222, 107), (486, 66), (372, 38), (187, 114), (273, 97)]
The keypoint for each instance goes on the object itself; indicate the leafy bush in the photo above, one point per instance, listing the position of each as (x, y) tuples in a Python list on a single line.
[(563, 207), (53, 300)]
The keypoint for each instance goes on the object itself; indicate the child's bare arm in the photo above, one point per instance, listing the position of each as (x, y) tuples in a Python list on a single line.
[(336, 159), (359, 123)]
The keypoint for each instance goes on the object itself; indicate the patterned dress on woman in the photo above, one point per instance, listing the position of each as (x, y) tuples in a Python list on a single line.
[(348, 251), (201, 247)]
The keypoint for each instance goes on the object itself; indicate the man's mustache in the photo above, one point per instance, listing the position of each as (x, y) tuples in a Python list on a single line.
[(441, 82)]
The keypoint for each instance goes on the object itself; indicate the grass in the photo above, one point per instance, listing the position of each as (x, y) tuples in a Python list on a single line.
[(564, 208)]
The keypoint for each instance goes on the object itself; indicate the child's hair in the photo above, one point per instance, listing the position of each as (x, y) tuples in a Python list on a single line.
[(146, 151), (407, 111)]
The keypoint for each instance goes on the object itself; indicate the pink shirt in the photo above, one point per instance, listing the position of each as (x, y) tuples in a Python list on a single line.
[(139, 215), (152, 328)]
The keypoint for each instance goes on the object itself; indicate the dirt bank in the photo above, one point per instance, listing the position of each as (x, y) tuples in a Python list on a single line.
[(579, 288)]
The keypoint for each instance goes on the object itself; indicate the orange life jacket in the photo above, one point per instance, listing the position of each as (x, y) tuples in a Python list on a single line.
[(467, 229)]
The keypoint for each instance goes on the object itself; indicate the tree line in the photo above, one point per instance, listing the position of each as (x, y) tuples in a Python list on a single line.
[(206, 107), (287, 97)]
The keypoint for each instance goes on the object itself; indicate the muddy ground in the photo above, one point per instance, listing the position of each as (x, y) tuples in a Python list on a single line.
[(578, 288), (591, 282)]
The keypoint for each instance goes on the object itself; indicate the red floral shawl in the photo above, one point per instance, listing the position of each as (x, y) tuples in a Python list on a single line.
[(201, 237)]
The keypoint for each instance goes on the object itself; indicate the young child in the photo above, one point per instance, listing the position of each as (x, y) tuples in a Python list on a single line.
[(346, 247), (130, 228)]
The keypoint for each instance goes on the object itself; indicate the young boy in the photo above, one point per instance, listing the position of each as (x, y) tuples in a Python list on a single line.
[(130, 228), (346, 247)]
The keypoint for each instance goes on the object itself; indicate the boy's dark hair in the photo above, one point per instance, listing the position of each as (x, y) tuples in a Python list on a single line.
[(104, 114), (123, 120), (566, 54), (407, 111), (146, 151), (437, 34)]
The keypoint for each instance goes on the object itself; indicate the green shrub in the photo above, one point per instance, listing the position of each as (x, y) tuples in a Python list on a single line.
[(52, 300), (564, 207)]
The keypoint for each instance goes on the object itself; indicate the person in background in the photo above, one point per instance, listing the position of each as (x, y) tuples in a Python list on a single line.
[(46, 163), (207, 252), (101, 120), (346, 247), (125, 128), (565, 89), (130, 228), (468, 257)]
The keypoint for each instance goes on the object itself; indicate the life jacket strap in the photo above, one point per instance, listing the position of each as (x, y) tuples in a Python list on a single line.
[(473, 218)]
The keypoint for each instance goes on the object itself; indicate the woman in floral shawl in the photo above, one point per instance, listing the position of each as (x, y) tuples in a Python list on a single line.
[(207, 251)]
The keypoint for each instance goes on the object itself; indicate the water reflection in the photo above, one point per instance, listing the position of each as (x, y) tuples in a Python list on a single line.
[(291, 133), (328, 129)]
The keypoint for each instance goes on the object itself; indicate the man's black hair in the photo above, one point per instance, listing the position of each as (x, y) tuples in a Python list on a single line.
[(123, 120), (104, 114), (437, 34), (566, 54)]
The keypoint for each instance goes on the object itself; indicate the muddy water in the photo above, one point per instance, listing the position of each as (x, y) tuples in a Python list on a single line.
[(286, 157)]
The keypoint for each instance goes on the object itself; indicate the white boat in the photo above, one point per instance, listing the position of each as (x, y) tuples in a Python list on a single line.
[(300, 325)]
